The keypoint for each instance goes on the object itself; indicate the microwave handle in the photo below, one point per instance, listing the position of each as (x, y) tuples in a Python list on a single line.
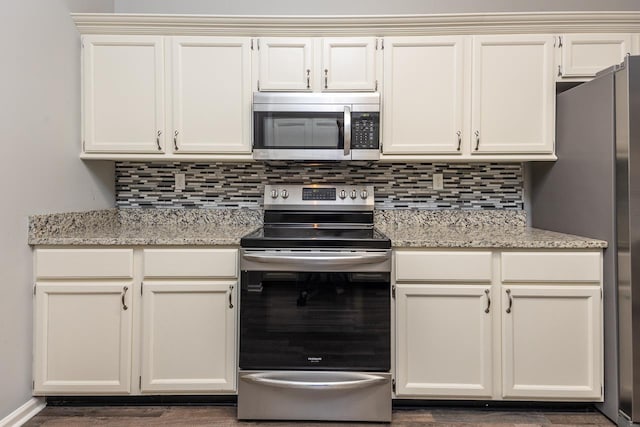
[(347, 130)]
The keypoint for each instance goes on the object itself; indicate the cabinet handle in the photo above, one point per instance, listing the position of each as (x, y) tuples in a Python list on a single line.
[(486, 292), (559, 71), (459, 139), (230, 296), (326, 79), (510, 301), (477, 134), (124, 294), (308, 78), (175, 140), (158, 140)]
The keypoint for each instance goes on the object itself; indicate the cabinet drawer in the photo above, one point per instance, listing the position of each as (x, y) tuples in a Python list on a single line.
[(551, 267), (221, 263), (443, 266), (84, 263)]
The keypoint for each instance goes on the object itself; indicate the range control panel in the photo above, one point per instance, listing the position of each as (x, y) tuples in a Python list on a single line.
[(318, 196)]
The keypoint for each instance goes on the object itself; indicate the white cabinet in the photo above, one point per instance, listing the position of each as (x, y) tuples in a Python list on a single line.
[(211, 87), (188, 336), (583, 55), (444, 336), (530, 328), (349, 64), (444, 341), (551, 340), (206, 110), (285, 63), (513, 94), (83, 322), (551, 325), (423, 95), (467, 97), (123, 94), (99, 331), (189, 320), (315, 64)]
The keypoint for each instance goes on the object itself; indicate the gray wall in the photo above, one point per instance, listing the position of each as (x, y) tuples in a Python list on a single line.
[(90, 6), (40, 167), (371, 7)]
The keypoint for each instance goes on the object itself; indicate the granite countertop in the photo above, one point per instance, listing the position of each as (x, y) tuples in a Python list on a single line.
[(473, 229), (405, 228), (214, 227)]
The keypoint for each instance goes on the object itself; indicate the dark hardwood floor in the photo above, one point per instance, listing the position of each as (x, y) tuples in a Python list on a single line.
[(226, 416)]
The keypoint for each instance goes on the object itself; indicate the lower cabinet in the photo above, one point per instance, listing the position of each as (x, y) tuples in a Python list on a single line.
[(159, 321), (82, 340), (533, 332), (551, 342), (444, 340), (188, 336)]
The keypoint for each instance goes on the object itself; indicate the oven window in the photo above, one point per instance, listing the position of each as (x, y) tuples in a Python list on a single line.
[(290, 130), (318, 321)]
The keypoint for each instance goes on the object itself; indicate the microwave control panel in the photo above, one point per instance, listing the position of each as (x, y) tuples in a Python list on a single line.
[(365, 130)]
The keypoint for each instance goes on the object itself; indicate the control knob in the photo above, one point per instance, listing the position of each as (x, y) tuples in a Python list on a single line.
[(364, 194), (354, 194), (284, 194), (274, 194), (343, 194)]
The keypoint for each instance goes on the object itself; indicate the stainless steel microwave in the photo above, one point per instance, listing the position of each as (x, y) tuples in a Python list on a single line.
[(316, 126)]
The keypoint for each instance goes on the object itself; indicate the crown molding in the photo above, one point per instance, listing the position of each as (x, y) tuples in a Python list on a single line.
[(347, 25)]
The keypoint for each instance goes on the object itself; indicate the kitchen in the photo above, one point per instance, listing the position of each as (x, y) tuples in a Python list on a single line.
[(88, 184)]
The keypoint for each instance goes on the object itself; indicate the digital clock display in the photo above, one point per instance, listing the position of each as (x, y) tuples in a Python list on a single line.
[(318, 193)]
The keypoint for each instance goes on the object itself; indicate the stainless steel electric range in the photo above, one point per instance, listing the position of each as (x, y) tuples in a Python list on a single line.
[(315, 339)]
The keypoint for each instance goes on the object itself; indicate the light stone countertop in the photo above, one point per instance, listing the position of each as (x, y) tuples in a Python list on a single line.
[(473, 229), (131, 227), (218, 227)]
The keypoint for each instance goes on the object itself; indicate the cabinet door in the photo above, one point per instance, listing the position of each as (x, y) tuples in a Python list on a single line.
[(188, 336), (349, 64), (211, 95), (82, 338), (123, 95), (583, 55), (513, 94), (444, 340), (285, 64), (552, 342), (423, 95)]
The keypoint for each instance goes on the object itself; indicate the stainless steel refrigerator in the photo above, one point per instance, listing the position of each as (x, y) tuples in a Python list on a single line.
[(593, 190)]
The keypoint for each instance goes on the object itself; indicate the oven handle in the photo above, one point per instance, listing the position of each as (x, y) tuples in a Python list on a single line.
[(287, 380), (317, 259)]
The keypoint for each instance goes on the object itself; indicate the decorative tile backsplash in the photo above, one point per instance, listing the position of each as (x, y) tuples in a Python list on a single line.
[(397, 185)]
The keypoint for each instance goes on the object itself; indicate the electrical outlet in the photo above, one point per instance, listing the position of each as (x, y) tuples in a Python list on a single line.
[(438, 181), (180, 183)]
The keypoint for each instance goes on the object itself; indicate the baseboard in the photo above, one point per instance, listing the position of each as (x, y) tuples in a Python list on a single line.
[(24, 413)]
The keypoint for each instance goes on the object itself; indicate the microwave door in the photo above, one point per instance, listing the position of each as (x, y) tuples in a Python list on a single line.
[(326, 133), (287, 132)]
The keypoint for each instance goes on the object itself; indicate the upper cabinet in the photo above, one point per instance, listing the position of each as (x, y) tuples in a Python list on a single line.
[(123, 94), (513, 94), (313, 64), (423, 95), (211, 88), (285, 64), (202, 105), (581, 56), (469, 96)]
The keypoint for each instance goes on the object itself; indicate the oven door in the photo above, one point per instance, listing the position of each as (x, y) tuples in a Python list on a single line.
[(315, 310)]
